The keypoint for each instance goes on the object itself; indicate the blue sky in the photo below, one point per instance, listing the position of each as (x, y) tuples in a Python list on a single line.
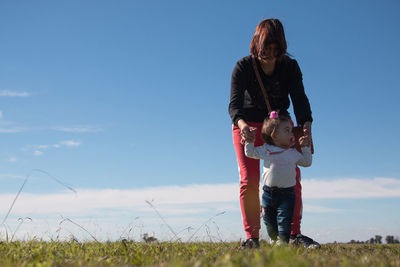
[(133, 95)]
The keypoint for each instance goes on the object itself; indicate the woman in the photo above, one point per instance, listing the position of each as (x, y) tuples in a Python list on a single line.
[(282, 78)]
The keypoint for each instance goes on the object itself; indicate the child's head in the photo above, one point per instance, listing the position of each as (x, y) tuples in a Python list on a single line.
[(277, 130)]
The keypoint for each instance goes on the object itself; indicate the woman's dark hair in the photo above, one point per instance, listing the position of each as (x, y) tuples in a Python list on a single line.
[(270, 125), (269, 31)]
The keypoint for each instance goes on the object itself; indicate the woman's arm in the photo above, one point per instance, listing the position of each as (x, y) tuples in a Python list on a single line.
[(238, 87), (301, 105)]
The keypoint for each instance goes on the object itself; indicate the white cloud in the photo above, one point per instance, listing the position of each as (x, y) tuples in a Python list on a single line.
[(48, 146), (70, 143), (183, 206), (179, 197), (320, 209), (9, 127), (351, 188), (11, 130), (347, 233), (79, 129), (13, 176), (12, 159), (88, 200), (37, 153), (10, 93)]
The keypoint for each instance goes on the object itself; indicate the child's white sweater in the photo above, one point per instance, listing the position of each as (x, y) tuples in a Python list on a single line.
[(279, 164)]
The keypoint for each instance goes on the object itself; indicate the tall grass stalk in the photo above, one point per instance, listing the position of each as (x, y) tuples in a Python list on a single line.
[(162, 218), (3, 223), (74, 223), (195, 232), (21, 221)]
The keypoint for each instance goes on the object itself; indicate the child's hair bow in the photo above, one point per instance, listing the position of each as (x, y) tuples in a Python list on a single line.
[(273, 115)]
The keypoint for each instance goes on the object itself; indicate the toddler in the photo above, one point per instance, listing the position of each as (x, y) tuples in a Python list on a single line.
[(279, 172)]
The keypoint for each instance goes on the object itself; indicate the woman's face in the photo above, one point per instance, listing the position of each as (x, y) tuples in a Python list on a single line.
[(271, 51)]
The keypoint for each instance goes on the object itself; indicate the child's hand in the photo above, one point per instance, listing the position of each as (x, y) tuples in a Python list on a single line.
[(305, 140), (252, 137)]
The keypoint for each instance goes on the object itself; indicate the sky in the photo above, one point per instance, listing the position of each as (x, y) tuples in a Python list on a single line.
[(127, 102)]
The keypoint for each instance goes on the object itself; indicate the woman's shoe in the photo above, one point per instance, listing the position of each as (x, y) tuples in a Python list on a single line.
[(303, 240), (250, 243)]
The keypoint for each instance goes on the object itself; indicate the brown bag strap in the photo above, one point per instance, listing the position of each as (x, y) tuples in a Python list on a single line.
[(297, 131), (261, 84)]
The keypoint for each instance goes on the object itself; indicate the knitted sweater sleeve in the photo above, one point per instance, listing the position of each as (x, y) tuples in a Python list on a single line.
[(301, 105), (259, 152), (305, 157), (238, 87)]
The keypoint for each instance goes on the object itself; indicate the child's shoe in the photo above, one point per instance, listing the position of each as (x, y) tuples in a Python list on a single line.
[(281, 242)]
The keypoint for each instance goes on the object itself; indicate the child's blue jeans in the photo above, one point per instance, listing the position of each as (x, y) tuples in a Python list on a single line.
[(277, 211)]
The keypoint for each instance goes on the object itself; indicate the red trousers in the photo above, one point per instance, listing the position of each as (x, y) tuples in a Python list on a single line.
[(249, 170)]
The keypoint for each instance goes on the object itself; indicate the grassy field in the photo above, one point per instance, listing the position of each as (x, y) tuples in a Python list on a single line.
[(37, 253)]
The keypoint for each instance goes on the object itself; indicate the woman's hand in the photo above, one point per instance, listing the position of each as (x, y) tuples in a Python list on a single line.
[(307, 126), (305, 140), (248, 133)]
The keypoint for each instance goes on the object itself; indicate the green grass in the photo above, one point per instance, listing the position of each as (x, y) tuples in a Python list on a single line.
[(40, 253)]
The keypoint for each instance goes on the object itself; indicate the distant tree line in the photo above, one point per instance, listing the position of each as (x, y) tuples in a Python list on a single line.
[(377, 240)]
